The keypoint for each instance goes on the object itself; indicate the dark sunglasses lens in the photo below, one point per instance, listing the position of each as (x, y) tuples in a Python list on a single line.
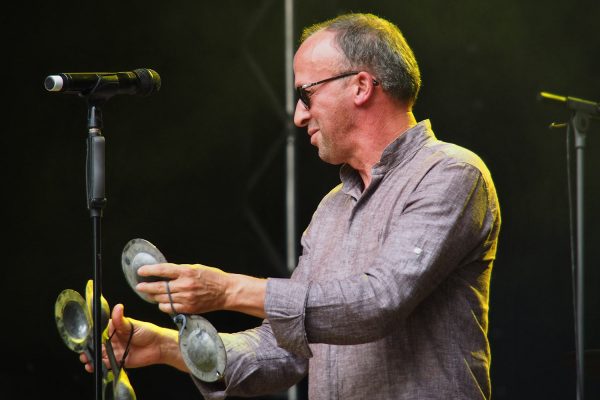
[(303, 96)]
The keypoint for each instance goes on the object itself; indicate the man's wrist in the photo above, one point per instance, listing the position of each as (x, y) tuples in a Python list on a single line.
[(170, 354), (246, 294)]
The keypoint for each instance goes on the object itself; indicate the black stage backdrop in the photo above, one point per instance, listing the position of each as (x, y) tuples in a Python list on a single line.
[(191, 167)]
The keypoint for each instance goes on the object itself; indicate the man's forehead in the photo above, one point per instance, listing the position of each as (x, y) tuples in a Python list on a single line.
[(318, 52)]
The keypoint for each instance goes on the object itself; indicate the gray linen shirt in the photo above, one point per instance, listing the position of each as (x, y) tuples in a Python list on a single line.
[(390, 296)]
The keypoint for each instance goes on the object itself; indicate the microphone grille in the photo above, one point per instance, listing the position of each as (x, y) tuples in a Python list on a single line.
[(149, 81), (53, 83)]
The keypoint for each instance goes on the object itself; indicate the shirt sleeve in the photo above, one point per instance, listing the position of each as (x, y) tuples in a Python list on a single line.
[(444, 222), (255, 366)]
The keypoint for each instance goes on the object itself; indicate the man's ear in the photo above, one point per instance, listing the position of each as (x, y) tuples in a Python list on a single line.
[(365, 88)]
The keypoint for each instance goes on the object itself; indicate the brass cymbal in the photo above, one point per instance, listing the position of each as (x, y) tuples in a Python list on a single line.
[(202, 349), (72, 320), (138, 252)]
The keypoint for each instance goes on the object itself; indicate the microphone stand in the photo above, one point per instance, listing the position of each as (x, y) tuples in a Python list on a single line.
[(96, 201), (582, 113), (141, 81), (577, 128)]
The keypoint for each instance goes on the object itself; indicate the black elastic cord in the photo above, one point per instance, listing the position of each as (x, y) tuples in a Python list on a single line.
[(170, 298), (126, 352), (127, 346), (178, 319)]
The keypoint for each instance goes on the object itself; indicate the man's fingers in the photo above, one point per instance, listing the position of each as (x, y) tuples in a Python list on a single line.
[(89, 367), (168, 271), (165, 270), (179, 308), (152, 288), (164, 298), (121, 327)]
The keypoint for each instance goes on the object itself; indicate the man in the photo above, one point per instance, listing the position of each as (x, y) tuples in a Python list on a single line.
[(390, 296)]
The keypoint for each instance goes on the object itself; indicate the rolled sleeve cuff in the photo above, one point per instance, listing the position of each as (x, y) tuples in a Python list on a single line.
[(241, 363), (285, 305)]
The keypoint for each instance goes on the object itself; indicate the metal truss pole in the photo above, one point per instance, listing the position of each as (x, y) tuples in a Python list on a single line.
[(290, 138), (286, 115), (290, 151)]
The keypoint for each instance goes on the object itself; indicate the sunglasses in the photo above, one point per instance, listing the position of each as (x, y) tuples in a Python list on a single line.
[(304, 94)]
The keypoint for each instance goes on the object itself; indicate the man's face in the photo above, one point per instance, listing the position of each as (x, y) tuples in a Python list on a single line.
[(329, 119)]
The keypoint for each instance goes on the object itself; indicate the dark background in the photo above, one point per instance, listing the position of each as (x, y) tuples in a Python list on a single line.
[(190, 168)]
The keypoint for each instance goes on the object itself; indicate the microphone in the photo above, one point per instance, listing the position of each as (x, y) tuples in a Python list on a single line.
[(141, 82), (573, 103)]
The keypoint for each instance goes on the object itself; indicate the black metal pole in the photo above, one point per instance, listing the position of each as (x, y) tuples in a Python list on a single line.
[(582, 113), (97, 248), (96, 200), (578, 125)]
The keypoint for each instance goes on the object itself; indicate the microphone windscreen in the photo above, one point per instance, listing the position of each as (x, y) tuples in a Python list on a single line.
[(149, 81)]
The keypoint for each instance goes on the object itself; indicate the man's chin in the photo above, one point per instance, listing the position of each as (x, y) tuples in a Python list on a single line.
[(328, 158), (323, 155)]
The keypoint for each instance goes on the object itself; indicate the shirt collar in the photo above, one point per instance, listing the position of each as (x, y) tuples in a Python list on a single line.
[(400, 150)]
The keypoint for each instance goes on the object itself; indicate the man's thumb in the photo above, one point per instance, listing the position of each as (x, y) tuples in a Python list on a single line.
[(118, 319)]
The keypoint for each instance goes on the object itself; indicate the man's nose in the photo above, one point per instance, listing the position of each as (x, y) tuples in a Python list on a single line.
[(301, 115)]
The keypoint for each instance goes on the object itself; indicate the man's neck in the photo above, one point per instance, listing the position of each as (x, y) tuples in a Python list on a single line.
[(378, 133)]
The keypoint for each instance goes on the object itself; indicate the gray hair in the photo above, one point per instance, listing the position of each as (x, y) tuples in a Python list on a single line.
[(377, 46)]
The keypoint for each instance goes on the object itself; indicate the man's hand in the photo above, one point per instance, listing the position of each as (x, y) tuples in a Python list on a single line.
[(150, 344), (196, 289)]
